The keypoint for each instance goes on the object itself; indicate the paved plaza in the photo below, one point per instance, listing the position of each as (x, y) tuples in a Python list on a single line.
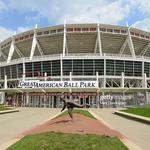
[(138, 133), (13, 124)]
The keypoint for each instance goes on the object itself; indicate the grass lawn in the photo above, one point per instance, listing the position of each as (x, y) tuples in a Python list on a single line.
[(2, 108), (139, 110), (65, 141), (79, 111)]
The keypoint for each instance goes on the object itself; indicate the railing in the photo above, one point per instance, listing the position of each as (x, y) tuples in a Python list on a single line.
[(74, 55)]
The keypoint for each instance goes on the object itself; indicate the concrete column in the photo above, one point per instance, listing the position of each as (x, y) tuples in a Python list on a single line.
[(122, 79), (104, 79), (61, 67), (45, 76), (27, 99), (5, 82), (24, 71), (44, 100), (144, 81)]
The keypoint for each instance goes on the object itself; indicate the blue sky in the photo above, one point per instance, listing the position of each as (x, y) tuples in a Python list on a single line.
[(21, 15)]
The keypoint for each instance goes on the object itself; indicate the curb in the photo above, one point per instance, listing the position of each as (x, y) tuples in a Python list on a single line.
[(13, 141), (9, 111), (133, 117), (127, 142)]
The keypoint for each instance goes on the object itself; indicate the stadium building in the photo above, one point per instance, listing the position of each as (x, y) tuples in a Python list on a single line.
[(103, 65)]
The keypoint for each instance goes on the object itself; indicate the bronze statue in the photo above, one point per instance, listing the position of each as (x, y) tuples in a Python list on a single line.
[(70, 105)]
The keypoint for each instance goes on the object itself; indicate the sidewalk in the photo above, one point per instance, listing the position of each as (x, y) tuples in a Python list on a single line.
[(136, 132), (13, 124)]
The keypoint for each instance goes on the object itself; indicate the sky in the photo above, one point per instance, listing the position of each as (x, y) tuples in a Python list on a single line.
[(21, 15)]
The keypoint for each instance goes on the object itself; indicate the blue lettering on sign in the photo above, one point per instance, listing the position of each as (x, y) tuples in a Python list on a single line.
[(61, 84)]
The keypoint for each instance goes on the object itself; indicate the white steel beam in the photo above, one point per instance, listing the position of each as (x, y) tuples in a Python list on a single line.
[(64, 39), (143, 52), (13, 47), (130, 43), (34, 43), (123, 46), (2, 54), (39, 48), (144, 81), (18, 52), (98, 44), (11, 51), (99, 40)]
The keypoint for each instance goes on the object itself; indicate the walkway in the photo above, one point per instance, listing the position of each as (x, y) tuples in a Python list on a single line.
[(138, 133), (13, 124)]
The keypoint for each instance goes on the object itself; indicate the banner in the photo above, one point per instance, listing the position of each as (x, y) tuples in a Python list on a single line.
[(57, 84)]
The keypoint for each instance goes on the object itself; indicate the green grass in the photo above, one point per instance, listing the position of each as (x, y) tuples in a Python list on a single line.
[(66, 141), (139, 110), (2, 108), (79, 111)]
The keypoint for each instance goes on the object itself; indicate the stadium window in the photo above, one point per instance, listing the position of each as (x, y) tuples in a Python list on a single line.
[(31, 35), (137, 68), (19, 70), (103, 29), (147, 69), (14, 71), (88, 67), (77, 29), (110, 67), (132, 33), (109, 30), (99, 66), (123, 31), (129, 68), (56, 68), (117, 31), (21, 38), (8, 43), (53, 31), (60, 30), (67, 67), (142, 35), (85, 29), (46, 32), (16, 40), (39, 33), (136, 34), (92, 29), (69, 29), (147, 37), (119, 67), (26, 37)]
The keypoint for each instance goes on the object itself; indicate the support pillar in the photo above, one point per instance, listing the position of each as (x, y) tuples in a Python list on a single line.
[(122, 79), (45, 76), (61, 67), (5, 82), (144, 81), (24, 71)]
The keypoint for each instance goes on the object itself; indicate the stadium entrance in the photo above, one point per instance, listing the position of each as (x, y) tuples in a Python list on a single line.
[(35, 93)]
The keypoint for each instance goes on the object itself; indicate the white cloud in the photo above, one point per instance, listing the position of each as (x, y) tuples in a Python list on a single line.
[(77, 11), (143, 24), (3, 7), (142, 5), (6, 33)]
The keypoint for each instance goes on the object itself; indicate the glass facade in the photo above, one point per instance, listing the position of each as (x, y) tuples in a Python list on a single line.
[(82, 67)]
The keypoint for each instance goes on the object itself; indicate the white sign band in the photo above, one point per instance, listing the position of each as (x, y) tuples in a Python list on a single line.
[(57, 84)]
